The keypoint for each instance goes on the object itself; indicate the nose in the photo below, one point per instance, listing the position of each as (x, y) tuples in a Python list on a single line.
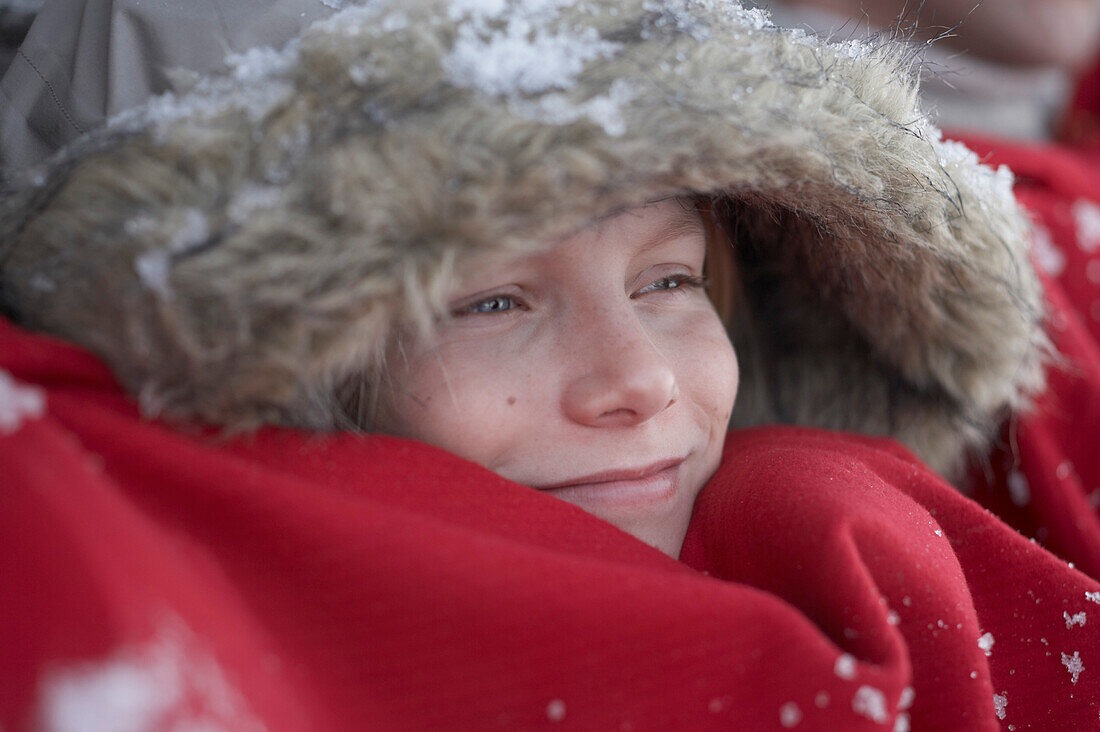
[(620, 377)]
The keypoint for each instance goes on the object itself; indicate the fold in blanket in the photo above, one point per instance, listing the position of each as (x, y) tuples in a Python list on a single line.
[(292, 581)]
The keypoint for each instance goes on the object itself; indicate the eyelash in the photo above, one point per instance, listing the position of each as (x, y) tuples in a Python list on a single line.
[(674, 282)]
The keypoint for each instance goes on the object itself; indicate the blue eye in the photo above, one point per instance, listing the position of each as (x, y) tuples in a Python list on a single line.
[(488, 306), (673, 282)]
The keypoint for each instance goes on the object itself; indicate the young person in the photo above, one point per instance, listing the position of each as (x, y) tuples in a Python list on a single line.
[(597, 371), (486, 227)]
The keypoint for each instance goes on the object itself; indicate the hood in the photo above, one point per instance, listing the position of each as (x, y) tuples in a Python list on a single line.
[(239, 252)]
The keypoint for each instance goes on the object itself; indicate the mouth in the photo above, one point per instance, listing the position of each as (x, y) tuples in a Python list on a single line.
[(649, 485)]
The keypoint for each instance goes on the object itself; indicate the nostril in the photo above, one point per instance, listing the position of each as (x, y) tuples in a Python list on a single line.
[(622, 412)]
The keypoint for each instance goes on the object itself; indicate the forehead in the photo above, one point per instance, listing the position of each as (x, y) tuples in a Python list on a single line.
[(622, 234), (658, 221), (633, 233)]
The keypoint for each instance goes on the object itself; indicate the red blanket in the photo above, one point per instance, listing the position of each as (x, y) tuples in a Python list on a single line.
[(156, 577)]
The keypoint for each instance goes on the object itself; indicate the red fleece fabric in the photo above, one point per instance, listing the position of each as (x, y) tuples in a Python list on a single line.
[(1044, 478), (156, 577)]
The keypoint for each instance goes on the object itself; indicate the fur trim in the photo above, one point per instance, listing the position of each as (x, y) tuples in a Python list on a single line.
[(241, 252)]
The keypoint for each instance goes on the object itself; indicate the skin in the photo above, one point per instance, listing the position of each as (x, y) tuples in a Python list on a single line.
[(598, 355), (1061, 33)]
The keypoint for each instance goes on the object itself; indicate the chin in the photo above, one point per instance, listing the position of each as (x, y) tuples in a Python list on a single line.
[(655, 509), (668, 536), (661, 529)]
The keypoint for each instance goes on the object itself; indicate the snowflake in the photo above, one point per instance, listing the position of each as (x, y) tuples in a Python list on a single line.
[(555, 710), (166, 682), (1000, 701), (153, 267), (250, 199), (556, 109), (871, 703), (17, 403), (1092, 271), (790, 715), (1087, 215), (523, 57), (1048, 256), (1075, 619), (845, 666), (1073, 664), (986, 643)]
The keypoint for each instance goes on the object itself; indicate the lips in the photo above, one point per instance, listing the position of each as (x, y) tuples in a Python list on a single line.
[(655, 483), (616, 476)]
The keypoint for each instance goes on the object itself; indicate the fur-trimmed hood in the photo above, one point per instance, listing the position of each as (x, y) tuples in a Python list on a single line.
[(240, 252)]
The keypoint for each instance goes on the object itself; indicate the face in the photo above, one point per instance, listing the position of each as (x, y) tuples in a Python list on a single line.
[(597, 371)]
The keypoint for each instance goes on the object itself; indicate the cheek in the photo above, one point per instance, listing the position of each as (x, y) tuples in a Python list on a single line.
[(707, 369), (468, 404)]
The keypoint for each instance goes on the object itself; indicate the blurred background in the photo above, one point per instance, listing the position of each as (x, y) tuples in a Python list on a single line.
[(1024, 69), (1009, 67), (15, 19)]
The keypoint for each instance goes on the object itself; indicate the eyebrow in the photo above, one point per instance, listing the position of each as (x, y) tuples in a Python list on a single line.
[(687, 221)]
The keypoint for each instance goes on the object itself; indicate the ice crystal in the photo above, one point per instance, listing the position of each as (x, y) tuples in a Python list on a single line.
[(755, 18), (556, 109), (555, 710), (845, 666), (871, 703), (790, 715), (1073, 664), (986, 643), (1087, 215), (154, 266), (523, 56), (1075, 619), (1048, 257), (250, 199), (1000, 701), (165, 682), (989, 186), (18, 402)]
